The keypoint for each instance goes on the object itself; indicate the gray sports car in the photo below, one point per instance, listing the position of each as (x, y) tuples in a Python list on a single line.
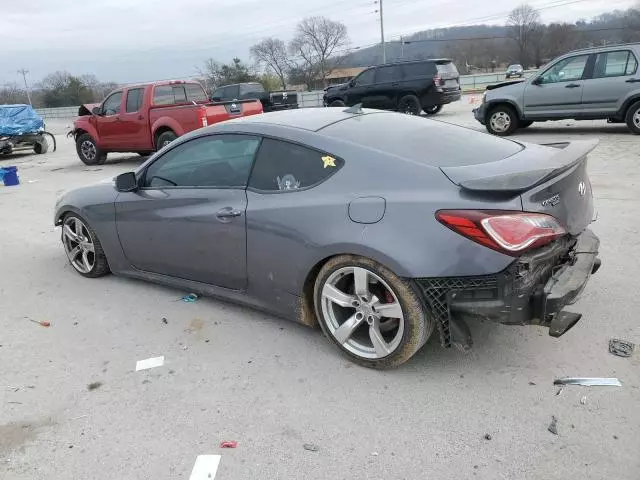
[(380, 227)]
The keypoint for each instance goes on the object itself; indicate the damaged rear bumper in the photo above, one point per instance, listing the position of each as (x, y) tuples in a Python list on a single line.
[(533, 290)]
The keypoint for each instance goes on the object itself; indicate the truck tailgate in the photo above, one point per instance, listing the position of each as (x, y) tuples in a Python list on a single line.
[(221, 111)]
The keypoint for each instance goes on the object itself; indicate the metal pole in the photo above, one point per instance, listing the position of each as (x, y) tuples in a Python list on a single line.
[(384, 53), (401, 47), (24, 72)]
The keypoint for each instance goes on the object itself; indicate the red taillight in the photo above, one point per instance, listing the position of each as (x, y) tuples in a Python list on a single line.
[(203, 116), (437, 80), (508, 232)]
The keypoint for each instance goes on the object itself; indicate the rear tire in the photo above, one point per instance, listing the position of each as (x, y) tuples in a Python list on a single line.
[(337, 103), (410, 105), (165, 139), (370, 339), (88, 150), (632, 118), (502, 121), (433, 109), (41, 147)]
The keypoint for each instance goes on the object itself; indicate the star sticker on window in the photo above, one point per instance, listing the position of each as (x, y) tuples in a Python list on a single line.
[(328, 161)]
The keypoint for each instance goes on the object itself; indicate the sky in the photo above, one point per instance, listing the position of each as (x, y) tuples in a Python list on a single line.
[(142, 40)]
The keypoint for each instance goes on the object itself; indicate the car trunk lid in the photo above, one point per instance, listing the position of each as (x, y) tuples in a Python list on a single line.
[(449, 74), (549, 179)]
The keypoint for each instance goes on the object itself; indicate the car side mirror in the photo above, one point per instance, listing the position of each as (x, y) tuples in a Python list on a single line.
[(537, 81), (126, 182), (96, 110), (352, 83)]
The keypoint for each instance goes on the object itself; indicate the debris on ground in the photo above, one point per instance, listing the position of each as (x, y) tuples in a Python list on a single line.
[(81, 416), (583, 400), (620, 348), (532, 383), (311, 447), (165, 321), (17, 403), (42, 323), (192, 297), (553, 426), (588, 381), (150, 363), (559, 391), (374, 454), (94, 386), (487, 436), (229, 444)]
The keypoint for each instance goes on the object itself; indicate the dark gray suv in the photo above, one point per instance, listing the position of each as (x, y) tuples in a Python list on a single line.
[(589, 84)]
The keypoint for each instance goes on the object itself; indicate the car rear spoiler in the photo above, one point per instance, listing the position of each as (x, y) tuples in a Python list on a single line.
[(516, 177)]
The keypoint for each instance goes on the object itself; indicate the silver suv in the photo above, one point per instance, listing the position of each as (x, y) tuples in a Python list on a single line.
[(589, 84)]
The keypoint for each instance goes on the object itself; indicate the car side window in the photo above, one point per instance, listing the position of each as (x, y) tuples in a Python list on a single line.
[(215, 161), (614, 64), (163, 95), (418, 70), (387, 74), (365, 78), (284, 166), (567, 70), (195, 93), (251, 91), (134, 99), (111, 105)]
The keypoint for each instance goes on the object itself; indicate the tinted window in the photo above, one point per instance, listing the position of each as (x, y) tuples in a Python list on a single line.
[(111, 105), (365, 78), (447, 69), (567, 70), (424, 141), (287, 166), (231, 92), (178, 94), (134, 99), (387, 74), (163, 95), (195, 93), (613, 64), (247, 90), (213, 161), (417, 70)]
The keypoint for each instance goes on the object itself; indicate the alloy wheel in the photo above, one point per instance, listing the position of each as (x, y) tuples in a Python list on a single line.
[(88, 150), (636, 118), (78, 244), (362, 312), (500, 121)]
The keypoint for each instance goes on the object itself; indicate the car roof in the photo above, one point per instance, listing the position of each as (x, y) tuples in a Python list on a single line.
[(312, 119), (410, 62), (604, 48)]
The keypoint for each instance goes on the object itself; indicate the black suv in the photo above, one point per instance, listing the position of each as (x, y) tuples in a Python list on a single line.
[(271, 101), (407, 87)]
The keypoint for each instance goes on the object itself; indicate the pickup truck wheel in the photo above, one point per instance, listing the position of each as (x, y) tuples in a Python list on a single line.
[(337, 103), (433, 109), (41, 147), (88, 150), (145, 154), (165, 139), (410, 105), (633, 118), (502, 121)]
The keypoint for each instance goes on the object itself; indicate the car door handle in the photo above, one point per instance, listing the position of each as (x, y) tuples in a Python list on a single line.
[(228, 212), (632, 80), (572, 85), (395, 84)]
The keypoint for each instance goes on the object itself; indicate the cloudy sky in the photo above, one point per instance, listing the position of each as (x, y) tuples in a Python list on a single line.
[(140, 40)]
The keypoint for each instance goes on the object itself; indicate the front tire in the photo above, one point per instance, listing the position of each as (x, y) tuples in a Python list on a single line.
[(337, 103), (165, 139), (502, 121), (83, 248), (88, 150), (42, 147), (633, 118), (433, 109), (371, 315), (410, 105)]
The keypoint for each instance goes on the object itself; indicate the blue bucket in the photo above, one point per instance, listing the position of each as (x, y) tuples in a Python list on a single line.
[(9, 176)]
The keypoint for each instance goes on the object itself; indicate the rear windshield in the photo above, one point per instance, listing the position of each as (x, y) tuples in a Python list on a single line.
[(447, 68), (426, 141)]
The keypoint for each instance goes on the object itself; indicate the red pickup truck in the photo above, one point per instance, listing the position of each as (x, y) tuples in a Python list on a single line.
[(145, 118)]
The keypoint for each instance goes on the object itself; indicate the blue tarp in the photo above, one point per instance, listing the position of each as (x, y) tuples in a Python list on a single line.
[(19, 120)]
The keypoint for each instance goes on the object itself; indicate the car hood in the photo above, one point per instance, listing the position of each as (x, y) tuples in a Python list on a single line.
[(335, 87)]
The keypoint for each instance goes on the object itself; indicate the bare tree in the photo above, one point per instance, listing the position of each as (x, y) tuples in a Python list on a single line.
[(523, 21), (272, 53), (560, 38), (11, 93), (316, 41)]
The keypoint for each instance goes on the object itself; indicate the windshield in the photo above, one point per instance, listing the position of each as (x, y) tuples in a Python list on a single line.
[(447, 69)]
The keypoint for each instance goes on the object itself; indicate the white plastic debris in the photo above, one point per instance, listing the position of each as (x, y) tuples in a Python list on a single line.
[(588, 381), (149, 363), (205, 467)]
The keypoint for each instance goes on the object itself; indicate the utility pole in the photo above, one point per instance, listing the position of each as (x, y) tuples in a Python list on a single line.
[(401, 47), (24, 72), (384, 53)]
